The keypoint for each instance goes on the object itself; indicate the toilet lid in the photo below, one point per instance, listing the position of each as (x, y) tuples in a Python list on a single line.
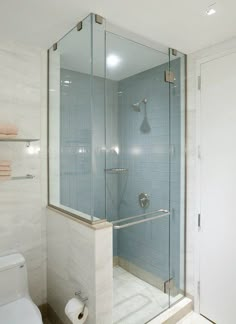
[(21, 311)]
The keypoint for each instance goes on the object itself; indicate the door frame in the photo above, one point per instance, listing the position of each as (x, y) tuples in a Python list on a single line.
[(196, 236)]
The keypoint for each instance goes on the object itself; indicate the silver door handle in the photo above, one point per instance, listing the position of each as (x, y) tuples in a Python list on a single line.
[(165, 213)]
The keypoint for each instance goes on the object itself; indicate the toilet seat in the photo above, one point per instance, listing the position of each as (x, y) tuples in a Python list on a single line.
[(20, 311)]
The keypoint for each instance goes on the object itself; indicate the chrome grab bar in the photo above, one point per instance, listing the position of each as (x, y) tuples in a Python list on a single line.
[(141, 215), (165, 213)]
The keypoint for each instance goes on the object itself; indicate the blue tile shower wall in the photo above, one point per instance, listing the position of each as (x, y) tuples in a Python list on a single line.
[(82, 159), (146, 155), (151, 170), (75, 141)]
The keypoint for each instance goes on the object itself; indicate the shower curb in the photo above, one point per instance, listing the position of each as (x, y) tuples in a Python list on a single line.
[(175, 313)]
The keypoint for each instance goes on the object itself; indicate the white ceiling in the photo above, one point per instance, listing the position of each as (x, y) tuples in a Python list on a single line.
[(179, 24)]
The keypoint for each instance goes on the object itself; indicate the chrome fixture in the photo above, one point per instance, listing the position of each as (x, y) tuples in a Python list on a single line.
[(79, 295), (18, 140), (79, 26), (169, 76), (144, 200), (136, 106), (116, 170), (98, 19), (145, 127), (27, 176), (211, 9), (163, 211)]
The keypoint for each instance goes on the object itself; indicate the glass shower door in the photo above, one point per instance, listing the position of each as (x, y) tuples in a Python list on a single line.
[(138, 177), (140, 291)]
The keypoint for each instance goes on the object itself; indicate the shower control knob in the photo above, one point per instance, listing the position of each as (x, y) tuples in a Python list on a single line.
[(144, 200)]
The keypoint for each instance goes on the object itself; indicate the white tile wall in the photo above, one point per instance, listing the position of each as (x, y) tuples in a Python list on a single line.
[(22, 220)]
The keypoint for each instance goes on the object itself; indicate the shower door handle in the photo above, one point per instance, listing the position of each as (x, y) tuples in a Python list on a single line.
[(165, 213)]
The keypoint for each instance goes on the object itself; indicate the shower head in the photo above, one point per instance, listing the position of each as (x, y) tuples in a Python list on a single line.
[(136, 106)]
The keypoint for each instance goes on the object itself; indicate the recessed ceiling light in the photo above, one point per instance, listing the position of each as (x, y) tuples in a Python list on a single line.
[(211, 10), (113, 60)]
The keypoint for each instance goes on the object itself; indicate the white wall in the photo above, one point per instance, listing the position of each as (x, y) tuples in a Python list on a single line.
[(192, 203), (22, 219)]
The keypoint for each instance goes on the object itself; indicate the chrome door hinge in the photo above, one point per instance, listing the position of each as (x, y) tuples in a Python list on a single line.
[(54, 46), (98, 19), (79, 26), (199, 152), (174, 52), (168, 285), (198, 288), (199, 221), (199, 81), (169, 76)]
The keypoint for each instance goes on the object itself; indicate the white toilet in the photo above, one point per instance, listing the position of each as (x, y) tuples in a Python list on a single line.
[(16, 306)]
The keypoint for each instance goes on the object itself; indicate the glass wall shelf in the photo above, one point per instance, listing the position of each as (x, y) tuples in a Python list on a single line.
[(18, 140)]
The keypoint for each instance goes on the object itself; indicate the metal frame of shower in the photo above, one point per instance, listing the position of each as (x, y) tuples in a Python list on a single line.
[(164, 212)]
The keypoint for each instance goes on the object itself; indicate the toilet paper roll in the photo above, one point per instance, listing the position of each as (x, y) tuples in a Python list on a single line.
[(74, 311)]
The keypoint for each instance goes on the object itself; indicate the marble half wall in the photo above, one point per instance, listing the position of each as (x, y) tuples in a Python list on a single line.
[(79, 258)]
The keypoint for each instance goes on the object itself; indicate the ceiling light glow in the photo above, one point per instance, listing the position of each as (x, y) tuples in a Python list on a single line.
[(113, 60), (211, 10)]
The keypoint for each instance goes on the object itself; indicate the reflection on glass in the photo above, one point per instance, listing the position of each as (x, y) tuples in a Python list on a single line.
[(76, 117)]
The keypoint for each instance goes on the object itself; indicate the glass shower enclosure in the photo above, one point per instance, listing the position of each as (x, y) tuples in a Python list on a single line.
[(117, 154), (145, 177)]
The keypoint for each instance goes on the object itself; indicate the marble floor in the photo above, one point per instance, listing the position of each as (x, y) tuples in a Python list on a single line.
[(194, 318), (136, 301)]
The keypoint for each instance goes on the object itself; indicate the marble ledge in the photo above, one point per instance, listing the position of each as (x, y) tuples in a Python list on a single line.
[(95, 226)]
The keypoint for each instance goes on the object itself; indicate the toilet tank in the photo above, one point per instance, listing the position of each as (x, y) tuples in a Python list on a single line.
[(13, 278)]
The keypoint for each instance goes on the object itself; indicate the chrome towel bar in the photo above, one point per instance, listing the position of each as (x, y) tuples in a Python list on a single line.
[(164, 213)]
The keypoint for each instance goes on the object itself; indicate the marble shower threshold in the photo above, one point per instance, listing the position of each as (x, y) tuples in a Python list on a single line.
[(136, 301)]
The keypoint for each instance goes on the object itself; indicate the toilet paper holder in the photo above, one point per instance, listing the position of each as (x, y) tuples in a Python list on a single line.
[(78, 294)]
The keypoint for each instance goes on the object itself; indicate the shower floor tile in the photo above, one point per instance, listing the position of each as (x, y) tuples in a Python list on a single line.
[(136, 301)]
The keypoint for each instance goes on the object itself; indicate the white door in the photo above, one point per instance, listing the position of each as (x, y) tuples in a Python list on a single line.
[(218, 190)]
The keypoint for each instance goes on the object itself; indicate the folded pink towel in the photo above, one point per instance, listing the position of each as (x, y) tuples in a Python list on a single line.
[(8, 129), (5, 173), (5, 163), (5, 168), (4, 178)]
